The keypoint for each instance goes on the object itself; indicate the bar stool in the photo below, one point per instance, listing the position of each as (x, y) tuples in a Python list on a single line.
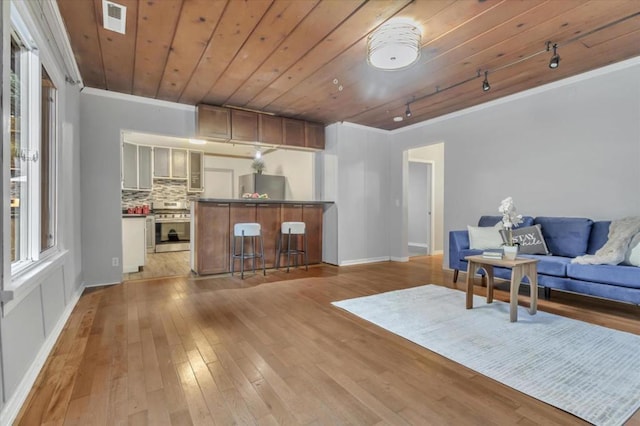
[(249, 230), (289, 229)]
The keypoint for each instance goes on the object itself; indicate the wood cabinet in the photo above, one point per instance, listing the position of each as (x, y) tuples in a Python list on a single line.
[(134, 243), (244, 125), (268, 216), (312, 217), (210, 238), (314, 135), (270, 129), (136, 167), (230, 124), (196, 169), (293, 132), (214, 122), (212, 232)]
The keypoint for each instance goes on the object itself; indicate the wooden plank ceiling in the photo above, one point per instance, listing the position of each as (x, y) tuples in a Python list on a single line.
[(292, 57)]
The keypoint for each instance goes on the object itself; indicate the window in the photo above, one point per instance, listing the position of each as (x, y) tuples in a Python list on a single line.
[(32, 160)]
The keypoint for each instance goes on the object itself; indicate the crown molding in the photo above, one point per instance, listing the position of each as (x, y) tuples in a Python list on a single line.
[(139, 99)]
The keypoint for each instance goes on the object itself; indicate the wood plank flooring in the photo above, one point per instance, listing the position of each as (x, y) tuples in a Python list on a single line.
[(272, 350), (158, 265)]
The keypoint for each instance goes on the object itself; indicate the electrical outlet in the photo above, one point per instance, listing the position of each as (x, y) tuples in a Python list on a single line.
[(115, 261)]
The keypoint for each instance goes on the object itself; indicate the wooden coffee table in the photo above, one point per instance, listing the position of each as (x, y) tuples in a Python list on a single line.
[(520, 268)]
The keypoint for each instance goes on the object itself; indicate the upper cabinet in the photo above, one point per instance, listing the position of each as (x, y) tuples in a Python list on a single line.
[(196, 169), (214, 122), (238, 125), (244, 125), (169, 163), (136, 167), (270, 129), (314, 135), (293, 132)]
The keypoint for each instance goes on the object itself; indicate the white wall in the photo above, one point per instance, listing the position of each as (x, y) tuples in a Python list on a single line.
[(435, 155), (103, 116), (571, 148), (296, 166), (360, 182)]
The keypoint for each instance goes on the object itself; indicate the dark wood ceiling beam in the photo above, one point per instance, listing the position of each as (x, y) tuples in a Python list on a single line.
[(198, 20), (316, 26), (157, 21), (83, 35), (236, 25), (280, 20)]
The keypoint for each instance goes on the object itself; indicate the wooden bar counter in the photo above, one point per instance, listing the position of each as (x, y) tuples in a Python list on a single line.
[(212, 223)]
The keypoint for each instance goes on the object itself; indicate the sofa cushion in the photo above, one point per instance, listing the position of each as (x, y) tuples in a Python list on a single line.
[(484, 237), (566, 236), (550, 265), (620, 275), (599, 235), (528, 238), (632, 257)]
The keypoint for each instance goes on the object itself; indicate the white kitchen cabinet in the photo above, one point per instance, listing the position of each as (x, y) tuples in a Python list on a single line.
[(161, 162), (170, 163), (134, 243), (178, 163), (136, 167), (196, 168)]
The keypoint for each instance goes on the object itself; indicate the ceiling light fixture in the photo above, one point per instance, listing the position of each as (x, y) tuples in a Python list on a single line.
[(398, 118), (408, 111), (555, 59), (394, 45), (258, 154), (197, 141), (485, 84)]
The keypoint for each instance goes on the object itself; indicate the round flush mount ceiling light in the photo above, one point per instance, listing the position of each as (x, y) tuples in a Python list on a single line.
[(394, 45), (398, 119)]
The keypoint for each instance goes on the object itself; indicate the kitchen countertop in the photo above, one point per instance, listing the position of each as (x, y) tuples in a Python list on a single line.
[(258, 201), (130, 215)]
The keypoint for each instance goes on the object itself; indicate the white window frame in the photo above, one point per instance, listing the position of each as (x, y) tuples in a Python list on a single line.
[(31, 258)]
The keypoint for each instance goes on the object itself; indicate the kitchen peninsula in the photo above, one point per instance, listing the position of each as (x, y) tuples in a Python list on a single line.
[(213, 221)]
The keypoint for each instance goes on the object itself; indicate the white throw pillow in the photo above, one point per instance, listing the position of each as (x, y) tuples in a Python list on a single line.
[(486, 237), (633, 253)]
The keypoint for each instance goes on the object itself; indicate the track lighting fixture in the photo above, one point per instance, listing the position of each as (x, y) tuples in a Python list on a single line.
[(555, 59), (485, 84), (408, 111)]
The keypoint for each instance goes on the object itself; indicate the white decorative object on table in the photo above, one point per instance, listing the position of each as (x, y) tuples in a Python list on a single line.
[(510, 218)]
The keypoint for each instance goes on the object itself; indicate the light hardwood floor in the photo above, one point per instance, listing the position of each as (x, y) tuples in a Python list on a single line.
[(157, 265), (272, 350)]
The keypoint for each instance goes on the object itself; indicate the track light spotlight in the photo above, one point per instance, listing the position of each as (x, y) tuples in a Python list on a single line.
[(408, 111), (485, 84), (555, 59)]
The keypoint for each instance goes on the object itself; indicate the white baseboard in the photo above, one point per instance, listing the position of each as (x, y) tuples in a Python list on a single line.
[(423, 245), (399, 259), (13, 405), (361, 261)]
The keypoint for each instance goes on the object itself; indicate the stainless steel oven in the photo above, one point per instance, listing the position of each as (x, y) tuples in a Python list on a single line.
[(172, 227)]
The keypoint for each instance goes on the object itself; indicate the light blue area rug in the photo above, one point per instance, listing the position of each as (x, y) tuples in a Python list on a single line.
[(590, 371)]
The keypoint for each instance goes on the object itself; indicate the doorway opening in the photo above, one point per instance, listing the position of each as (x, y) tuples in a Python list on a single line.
[(425, 200)]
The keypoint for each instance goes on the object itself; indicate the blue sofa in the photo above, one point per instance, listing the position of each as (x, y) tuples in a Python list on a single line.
[(566, 238)]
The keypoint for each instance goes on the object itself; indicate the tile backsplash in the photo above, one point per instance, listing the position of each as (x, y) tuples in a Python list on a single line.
[(163, 190)]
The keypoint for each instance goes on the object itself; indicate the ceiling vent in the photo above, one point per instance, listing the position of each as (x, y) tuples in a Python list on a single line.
[(114, 16)]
